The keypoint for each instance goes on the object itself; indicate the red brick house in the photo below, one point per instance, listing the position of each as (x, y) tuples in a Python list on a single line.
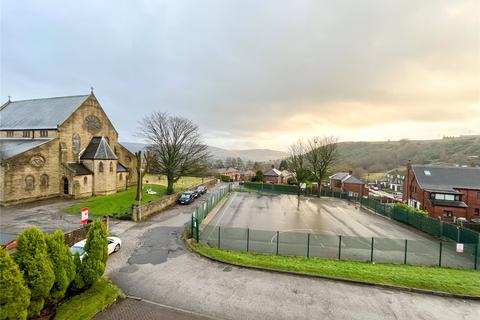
[(276, 176), (232, 173), (445, 192), (346, 182)]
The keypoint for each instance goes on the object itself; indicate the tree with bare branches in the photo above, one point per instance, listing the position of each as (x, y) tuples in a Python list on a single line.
[(321, 154), (177, 145), (298, 164)]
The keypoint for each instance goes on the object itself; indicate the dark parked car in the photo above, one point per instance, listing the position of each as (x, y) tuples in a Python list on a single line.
[(201, 190), (186, 197)]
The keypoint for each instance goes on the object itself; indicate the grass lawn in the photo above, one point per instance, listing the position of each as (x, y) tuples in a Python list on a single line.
[(182, 184), (448, 280), (88, 303), (117, 203)]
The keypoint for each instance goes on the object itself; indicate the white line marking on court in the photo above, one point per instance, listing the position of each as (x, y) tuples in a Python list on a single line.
[(291, 230)]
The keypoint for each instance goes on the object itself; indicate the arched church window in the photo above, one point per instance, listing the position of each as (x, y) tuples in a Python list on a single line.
[(100, 167), (85, 181), (29, 183), (111, 166), (121, 177), (44, 180), (76, 143)]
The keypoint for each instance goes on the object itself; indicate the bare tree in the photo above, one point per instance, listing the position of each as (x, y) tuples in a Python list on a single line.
[(297, 163), (321, 156), (177, 145), (143, 165)]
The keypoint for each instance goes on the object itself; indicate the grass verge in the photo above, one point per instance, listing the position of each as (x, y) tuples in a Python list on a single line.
[(90, 302), (444, 280)]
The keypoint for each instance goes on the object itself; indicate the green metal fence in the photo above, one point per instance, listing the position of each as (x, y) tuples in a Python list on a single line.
[(426, 224), (381, 250), (201, 212)]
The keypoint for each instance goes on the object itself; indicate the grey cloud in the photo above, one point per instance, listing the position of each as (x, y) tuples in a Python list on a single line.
[(244, 66)]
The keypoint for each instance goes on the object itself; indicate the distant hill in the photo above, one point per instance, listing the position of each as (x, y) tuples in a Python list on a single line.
[(260, 155), (387, 155)]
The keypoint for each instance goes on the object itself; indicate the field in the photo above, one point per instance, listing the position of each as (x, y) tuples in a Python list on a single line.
[(180, 185), (324, 228)]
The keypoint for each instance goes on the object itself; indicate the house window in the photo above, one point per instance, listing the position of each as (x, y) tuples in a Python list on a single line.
[(100, 167), (412, 188), (476, 212), (478, 195), (44, 180), (10, 134), (26, 133), (43, 133), (85, 181), (447, 213), (29, 183), (442, 196), (111, 166)]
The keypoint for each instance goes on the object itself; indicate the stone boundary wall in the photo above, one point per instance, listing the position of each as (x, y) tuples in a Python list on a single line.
[(164, 202)]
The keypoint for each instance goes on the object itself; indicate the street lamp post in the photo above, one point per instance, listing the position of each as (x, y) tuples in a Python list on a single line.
[(140, 194)]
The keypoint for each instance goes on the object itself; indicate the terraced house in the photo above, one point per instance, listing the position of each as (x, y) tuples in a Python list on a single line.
[(446, 192), (62, 146)]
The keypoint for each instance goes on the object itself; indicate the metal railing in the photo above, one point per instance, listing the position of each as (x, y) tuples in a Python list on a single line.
[(381, 250)]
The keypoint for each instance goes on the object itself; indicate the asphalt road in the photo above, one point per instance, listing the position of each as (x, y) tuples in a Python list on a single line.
[(153, 264), (46, 215)]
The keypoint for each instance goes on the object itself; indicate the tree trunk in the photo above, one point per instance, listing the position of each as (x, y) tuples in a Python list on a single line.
[(319, 188), (170, 185)]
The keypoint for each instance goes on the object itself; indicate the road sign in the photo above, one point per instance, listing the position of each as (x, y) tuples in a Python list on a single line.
[(303, 185), (459, 247), (84, 215)]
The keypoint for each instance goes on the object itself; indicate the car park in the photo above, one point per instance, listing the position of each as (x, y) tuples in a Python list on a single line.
[(186, 197), (114, 244)]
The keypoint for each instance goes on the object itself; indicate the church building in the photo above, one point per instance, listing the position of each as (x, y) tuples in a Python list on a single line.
[(62, 146)]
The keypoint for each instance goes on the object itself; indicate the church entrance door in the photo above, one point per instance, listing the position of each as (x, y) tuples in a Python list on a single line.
[(65, 186)]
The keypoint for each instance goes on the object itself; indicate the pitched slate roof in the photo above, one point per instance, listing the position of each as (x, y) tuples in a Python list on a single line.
[(121, 167), (449, 203), (353, 180), (79, 169), (12, 147), (45, 113), (223, 170), (98, 149), (273, 173), (447, 178), (340, 176)]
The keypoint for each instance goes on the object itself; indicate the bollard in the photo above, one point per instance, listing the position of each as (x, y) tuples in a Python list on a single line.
[(371, 251), (405, 257), (339, 247), (248, 238), (440, 255), (278, 236)]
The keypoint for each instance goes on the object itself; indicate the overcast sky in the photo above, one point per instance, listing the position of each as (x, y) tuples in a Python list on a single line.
[(255, 74)]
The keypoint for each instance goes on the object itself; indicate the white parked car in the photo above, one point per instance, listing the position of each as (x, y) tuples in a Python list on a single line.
[(114, 244)]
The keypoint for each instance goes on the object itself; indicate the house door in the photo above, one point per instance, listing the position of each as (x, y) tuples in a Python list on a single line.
[(65, 186)]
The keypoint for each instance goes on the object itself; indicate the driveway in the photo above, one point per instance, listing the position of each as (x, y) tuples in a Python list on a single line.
[(153, 264)]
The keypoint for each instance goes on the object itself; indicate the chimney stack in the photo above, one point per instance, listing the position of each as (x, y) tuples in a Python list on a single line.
[(350, 172)]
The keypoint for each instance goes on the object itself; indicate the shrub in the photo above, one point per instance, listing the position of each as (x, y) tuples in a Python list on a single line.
[(77, 282), (258, 176), (410, 209), (224, 178), (62, 263), (14, 294), (33, 261), (96, 249)]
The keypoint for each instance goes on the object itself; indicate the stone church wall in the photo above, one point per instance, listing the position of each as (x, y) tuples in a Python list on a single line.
[(77, 131), (106, 181), (82, 186), (32, 175)]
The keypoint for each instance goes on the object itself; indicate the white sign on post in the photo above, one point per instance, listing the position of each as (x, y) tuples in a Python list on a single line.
[(459, 247), (84, 215)]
